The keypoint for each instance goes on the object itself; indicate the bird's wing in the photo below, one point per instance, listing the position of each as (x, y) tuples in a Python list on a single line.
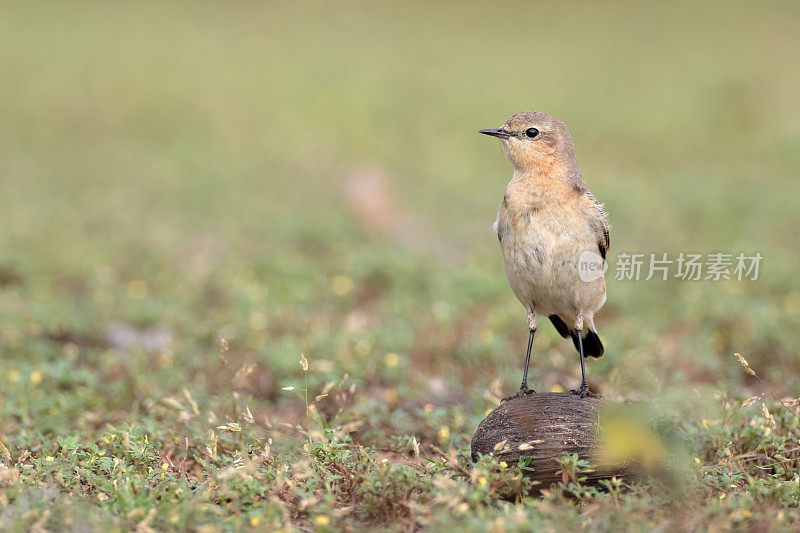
[(598, 223)]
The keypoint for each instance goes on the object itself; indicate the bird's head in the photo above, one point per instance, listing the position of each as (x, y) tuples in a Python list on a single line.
[(535, 142)]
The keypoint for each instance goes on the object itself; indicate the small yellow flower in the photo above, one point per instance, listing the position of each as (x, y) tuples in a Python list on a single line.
[(254, 522), (49, 459), (697, 460), (322, 520), (258, 320), (444, 432), (36, 377), (165, 466), (137, 289), (102, 496), (101, 452), (341, 285), (482, 481), (13, 375), (391, 360), (391, 396), (503, 464), (792, 303)]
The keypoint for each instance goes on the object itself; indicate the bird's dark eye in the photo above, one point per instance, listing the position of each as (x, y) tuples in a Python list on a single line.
[(531, 133)]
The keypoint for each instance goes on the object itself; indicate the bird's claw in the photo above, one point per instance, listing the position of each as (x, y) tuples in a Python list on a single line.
[(523, 391), (584, 392)]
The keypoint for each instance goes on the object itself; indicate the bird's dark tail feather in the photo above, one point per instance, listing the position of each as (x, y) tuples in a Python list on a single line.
[(592, 347)]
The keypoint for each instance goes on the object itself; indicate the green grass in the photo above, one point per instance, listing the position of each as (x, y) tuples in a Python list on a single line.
[(174, 175)]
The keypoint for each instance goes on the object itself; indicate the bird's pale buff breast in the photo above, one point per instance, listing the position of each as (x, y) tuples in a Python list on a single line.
[(542, 240)]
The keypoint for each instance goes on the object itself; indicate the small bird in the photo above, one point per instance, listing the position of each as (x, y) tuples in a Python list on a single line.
[(554, 235)]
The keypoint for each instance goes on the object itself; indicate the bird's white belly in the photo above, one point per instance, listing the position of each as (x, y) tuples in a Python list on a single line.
[(541, 261)]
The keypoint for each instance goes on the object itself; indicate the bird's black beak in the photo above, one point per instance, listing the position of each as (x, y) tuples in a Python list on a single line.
[(496, 132)]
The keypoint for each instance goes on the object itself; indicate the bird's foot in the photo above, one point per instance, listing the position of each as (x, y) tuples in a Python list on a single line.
[(584, 392), (523, 391)]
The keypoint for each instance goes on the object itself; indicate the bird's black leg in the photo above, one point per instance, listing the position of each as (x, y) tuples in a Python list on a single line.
[(583, 392), (524, 387), (524, 390)]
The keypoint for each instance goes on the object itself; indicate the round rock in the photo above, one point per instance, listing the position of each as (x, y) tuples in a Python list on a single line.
[(543, 427)]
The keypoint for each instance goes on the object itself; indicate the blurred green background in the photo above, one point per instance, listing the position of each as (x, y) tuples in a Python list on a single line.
[(307, 178)]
